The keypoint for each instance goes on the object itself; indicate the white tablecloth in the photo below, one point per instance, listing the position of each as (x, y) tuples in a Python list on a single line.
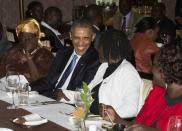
[(50, 111)]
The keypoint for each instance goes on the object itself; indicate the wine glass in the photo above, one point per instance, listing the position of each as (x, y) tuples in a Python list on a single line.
[(12, 84), (175, 123)]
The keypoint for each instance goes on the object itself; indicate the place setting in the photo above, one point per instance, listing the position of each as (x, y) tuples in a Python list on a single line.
[(29, 121)]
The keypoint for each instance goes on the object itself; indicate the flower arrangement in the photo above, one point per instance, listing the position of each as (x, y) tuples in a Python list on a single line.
[(86, 97)]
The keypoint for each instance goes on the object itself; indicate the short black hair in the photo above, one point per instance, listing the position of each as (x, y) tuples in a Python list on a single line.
[(92, 11), (115, 45), (160, 6), (81, 23), (145, 24), (50, 10), (170, 60), (34, 4), (31, 6)]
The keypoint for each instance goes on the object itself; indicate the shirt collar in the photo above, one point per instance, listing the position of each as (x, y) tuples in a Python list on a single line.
[(74, 53), (128, 15), (56, 32), (95, 26)]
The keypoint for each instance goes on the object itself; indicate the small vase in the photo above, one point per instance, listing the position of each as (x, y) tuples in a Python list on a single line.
[(82, 125)]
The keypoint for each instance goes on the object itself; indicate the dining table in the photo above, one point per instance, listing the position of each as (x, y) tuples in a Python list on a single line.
[(58, 114)]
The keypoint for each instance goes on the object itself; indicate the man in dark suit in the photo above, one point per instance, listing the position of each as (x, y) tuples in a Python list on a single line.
[(94, 15), (125, 18), (86, 64), (50, 26)]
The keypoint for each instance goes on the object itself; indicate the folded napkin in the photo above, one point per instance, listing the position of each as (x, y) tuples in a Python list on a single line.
[(33, 120), (70, 95)]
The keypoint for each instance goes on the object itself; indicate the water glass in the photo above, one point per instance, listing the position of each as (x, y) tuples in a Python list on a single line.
[(78, 100), (23, 94), (12, 84), (175, 123)]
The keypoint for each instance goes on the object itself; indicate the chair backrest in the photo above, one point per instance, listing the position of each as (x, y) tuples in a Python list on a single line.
[(11, 35), (145, 89)]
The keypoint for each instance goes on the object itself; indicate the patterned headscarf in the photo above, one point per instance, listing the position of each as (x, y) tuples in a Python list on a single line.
[(30, 26)]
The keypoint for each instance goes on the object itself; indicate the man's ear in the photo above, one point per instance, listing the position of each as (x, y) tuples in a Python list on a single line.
[(70, 35), (93, 36)]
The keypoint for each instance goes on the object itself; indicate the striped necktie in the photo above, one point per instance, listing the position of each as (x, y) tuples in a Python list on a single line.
[(67, 72)]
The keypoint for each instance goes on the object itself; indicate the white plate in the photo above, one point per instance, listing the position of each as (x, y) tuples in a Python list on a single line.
[(5, 129), (32, 120), (33, 93), (96, 122)]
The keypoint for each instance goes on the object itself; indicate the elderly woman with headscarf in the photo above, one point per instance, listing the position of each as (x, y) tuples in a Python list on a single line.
[(28, 57)]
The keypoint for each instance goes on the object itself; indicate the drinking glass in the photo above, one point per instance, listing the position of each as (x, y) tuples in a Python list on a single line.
[(175, 123), (23, 94), (77, 97), (12, 84)]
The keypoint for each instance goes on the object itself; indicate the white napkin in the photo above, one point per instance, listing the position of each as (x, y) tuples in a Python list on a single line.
[(33, 120), (70, 95)]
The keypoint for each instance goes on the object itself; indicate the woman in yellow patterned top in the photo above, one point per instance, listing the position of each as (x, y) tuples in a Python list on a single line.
[(28, 57)]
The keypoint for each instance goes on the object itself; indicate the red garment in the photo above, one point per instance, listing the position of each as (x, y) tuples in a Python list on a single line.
[(156, 111), (143, 48)]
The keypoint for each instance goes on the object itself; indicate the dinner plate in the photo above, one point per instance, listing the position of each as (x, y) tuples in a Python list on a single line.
[(33, 93), (98, 122), (5, 129), (31, 120)]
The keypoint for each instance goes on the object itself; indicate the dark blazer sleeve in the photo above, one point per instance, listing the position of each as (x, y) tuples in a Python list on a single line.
[(92, 68), (47, 83)]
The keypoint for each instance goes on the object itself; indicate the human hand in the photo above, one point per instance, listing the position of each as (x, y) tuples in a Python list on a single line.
[(59, 95), (108, 111)]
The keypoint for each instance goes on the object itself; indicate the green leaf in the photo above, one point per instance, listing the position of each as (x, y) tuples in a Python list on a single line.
[(86, 97), (85, 87)]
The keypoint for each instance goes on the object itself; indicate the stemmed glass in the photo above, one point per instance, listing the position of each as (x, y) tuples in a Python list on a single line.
[(175, 123), (12, 84)]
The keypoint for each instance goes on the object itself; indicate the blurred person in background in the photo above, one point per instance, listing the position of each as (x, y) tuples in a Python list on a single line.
[(35, 10), (125, 18), (4, 43), (178, 14), (143, 44), (51, 25), (94, 15), (167, 31)]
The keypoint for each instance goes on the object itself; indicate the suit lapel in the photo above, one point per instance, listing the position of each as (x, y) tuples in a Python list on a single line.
[(61, 65), (79, 67)]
